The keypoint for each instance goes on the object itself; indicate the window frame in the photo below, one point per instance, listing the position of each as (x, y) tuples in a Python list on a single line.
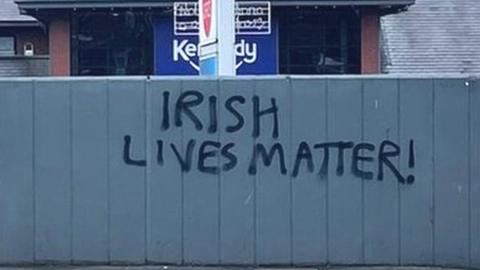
[(345, 23), (14, 40)]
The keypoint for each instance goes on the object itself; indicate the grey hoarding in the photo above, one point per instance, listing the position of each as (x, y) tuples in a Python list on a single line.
[(252, 171)]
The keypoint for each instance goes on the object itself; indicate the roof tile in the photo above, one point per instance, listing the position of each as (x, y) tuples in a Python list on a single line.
[(9, 12), (433, 36)]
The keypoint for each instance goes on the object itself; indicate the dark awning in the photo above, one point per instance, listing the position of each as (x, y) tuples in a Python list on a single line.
[(55, 4)]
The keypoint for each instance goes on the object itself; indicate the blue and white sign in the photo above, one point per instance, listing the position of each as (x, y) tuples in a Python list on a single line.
[(176, 39), (209, 43)]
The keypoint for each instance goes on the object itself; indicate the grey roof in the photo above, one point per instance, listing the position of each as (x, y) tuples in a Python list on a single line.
[(433, 36), (9, 13), (31, 4)]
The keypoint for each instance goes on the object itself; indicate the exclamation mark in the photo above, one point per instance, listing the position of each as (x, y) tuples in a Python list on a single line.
[(411, 161)]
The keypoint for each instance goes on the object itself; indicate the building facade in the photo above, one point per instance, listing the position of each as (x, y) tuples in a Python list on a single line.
[(157, 37), (23, 43)]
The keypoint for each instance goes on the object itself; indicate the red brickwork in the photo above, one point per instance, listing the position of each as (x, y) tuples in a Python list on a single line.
[(370, 60), (59, 37)]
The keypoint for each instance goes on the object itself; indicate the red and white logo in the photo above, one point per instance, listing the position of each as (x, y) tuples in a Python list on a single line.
[(207, 16)]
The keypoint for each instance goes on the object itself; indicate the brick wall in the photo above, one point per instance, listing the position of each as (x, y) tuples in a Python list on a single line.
[(59, 38), (370, 59)]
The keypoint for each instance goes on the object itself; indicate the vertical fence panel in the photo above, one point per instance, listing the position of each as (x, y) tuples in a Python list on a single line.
[(90, 171), (309, 187), (345, 201), (16, 172), (237, 201), (475, 172), (164, 192), (53, 185), (201, 191), (273, 188), (127, 181), (451, 172), (380, 124), (416, 209)]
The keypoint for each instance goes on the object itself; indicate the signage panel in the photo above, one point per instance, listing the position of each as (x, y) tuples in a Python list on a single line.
[(208, 46), (176, 39), (251, 18), (208, 19)]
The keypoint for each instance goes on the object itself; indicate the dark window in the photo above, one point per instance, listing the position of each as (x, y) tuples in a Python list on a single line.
[(112, 43), (319, 40), (7, 46)]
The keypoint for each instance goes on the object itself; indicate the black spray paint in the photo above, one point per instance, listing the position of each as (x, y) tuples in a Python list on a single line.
[(215, 157), (190, 102)]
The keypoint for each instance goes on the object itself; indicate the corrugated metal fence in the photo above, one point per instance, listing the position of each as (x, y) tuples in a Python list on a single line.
[(255, 171)]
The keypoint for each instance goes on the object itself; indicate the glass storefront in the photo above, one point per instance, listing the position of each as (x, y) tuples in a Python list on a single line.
[(307, 40), (319, 41), (112, 43)]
